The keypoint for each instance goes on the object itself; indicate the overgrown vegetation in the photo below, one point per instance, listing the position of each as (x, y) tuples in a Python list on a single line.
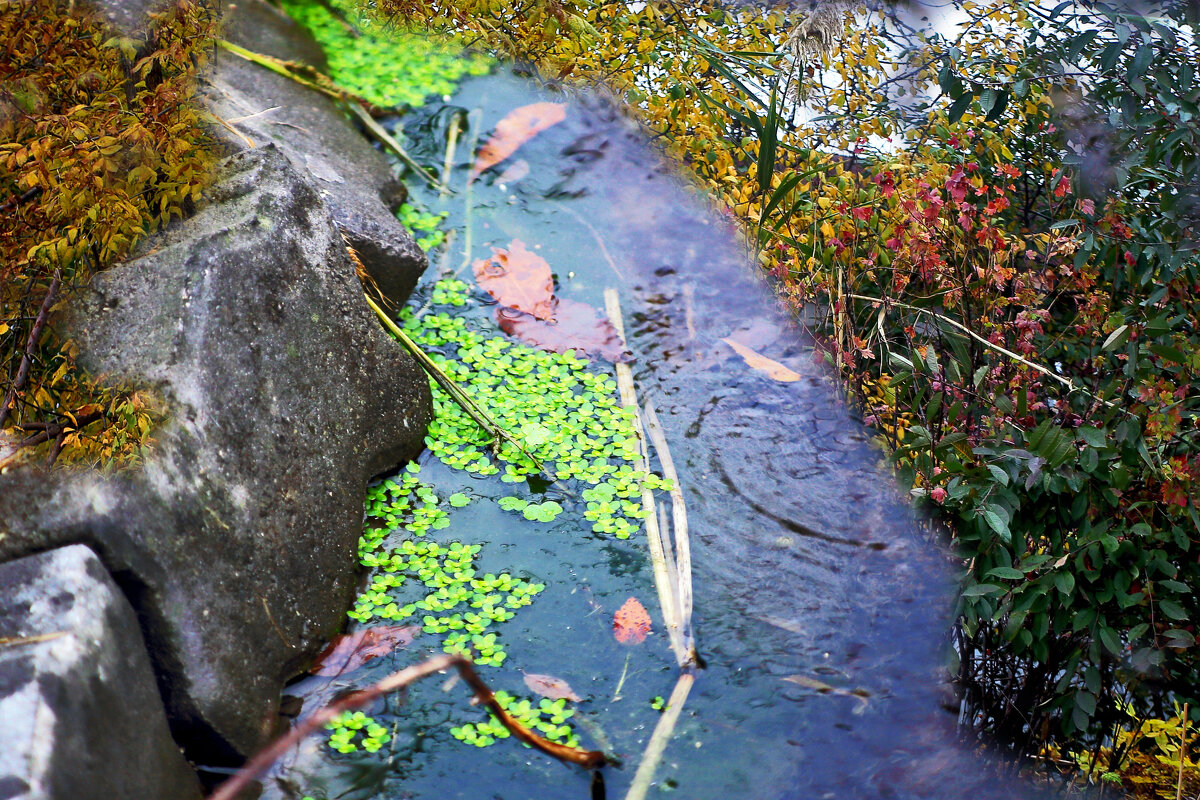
[(100, 144), (568, 418), (385, 66), (992, 235)]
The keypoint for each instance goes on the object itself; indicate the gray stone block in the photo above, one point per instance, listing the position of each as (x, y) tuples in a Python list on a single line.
[(353, 177), (236, 541), (79, 708)]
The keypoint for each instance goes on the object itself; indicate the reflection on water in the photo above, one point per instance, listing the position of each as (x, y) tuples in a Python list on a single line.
[(821, 609)]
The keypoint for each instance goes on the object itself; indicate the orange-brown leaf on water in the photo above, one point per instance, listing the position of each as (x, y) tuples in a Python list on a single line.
[(517, 278), (575, 326), (631, 623), (550, 686), (352, 650), (518, 126), (773, 369)]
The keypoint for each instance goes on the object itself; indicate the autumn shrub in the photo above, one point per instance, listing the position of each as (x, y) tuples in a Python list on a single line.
[(100, 144), (1022, 279)]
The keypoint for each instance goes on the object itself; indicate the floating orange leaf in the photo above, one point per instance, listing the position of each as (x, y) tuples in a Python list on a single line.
[(773, 369), (351, 651), (550, 686), (517, 278), (575, 326), (631, 623), (518, 126)]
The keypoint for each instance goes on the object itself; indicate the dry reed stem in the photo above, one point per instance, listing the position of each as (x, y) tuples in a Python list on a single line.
[(664, 581), (658, 740), (448, 161), (682, 539)]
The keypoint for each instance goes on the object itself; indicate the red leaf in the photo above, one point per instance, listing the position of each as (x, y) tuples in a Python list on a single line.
[(518, 126), (350, 651), (631, 623), (518, 278), (550, 686), (575, 326)]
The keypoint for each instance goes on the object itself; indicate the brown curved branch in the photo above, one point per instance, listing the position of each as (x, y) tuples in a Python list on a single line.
[(397, 680), (30, 346)]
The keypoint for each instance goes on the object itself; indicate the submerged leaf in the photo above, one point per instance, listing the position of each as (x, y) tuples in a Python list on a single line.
[(574, 326), (352, 650), (550, 686), (518, 126), (773, 369), (631, 623), (517, 278)]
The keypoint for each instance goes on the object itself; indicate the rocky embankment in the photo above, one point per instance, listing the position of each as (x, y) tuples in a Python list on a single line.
[(150, 618)]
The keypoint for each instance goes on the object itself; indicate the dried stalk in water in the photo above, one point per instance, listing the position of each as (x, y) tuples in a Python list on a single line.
[(481, 417), (664, 581)]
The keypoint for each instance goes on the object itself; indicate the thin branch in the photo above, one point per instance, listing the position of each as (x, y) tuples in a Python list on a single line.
[(31, 346), (481, 417), (990, 345), (388, 141), (397, 680)]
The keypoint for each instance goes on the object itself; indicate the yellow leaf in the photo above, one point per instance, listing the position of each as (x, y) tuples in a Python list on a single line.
[(827, 230), (773, 369)]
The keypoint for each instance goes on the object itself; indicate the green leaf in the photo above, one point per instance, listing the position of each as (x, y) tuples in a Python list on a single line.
[(1006, 573), (1064, 582), (1172, 609), (960, 106), (1116, 338), (458, 500), (979, 589), (995, 520), (1086, 701), (1094, 437), (1110, 640)]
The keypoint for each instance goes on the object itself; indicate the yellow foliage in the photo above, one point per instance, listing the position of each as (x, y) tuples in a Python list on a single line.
[(100, 144)]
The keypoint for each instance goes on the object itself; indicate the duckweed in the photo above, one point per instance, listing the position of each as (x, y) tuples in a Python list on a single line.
[(567, 417), (425, 228), (354, 729), (548, 718), (385, 66)]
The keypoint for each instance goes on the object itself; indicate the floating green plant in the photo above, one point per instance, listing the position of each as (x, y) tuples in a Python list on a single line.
[(548, 717), (386, 66), (566, 415), (424, 227), (354, 729)]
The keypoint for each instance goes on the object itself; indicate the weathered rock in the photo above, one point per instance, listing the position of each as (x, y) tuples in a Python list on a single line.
[(236, 540), (267, 29), (353, 177), (81, 711)]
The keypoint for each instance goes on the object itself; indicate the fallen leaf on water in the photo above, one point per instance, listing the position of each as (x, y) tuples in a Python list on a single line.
[(518, 126), (517, 278), (773, 369), (574, 326), (631, 623), (550, 686), (518, 170), (352, 650), (784, 624), (822, 687)]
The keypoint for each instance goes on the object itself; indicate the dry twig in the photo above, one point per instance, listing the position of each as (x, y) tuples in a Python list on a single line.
[(257, 765)]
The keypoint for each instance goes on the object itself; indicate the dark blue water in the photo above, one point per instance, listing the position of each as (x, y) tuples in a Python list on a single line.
[(806, 563)]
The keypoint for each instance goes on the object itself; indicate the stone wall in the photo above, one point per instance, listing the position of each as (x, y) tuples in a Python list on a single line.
[(194, 586)]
